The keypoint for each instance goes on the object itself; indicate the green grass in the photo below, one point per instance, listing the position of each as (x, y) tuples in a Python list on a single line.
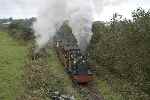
[(107, 92), (12, 60)]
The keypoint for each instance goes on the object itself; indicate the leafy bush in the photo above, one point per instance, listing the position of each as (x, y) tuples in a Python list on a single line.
[(21, 29), (122, 47)]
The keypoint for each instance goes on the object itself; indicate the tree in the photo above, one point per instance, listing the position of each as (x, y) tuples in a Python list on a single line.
[(123, 48), (21, 29)]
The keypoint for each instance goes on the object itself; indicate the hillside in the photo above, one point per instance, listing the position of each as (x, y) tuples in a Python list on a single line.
[(17, 68), (12, 60)]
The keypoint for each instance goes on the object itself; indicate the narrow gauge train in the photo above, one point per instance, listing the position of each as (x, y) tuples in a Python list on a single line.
[(75, 63)]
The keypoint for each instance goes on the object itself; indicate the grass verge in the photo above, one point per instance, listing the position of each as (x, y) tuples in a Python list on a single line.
[(12, 60)]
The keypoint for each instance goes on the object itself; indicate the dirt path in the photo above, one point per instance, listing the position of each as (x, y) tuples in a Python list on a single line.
[(36, 76), (94, 93), (89, 91)]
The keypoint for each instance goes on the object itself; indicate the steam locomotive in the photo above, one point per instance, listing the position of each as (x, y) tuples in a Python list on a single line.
[(76, 64)]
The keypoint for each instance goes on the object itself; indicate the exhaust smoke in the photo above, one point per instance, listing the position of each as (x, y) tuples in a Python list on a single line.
[(79, 13)]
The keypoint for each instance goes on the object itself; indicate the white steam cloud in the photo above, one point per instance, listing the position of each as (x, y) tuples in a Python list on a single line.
[(79, 13)]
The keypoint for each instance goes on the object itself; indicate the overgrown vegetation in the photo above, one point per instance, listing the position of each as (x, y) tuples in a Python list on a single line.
[(121, 48), (21, 29), (65, 34)]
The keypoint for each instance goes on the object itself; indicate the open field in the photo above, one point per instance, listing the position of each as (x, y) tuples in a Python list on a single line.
[(12, 60)]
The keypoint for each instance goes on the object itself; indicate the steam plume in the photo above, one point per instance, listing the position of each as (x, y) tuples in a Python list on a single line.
[(80, 14)]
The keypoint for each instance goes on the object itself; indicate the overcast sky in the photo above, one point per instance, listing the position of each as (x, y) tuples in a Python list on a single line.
[(28, 8), (124, 9)]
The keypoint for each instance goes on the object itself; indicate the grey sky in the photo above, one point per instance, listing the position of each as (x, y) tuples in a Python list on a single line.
[(124, 9), (29, 8), (18, 8)]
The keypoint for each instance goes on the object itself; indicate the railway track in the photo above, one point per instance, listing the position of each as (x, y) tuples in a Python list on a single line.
[(94, 93), (90, 92), (78, 68)]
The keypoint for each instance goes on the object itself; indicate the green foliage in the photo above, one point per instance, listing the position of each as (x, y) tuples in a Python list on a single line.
[(65, 34), (107, 92), (141, 19), (21, 29), (123, 48), (12, 60)]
